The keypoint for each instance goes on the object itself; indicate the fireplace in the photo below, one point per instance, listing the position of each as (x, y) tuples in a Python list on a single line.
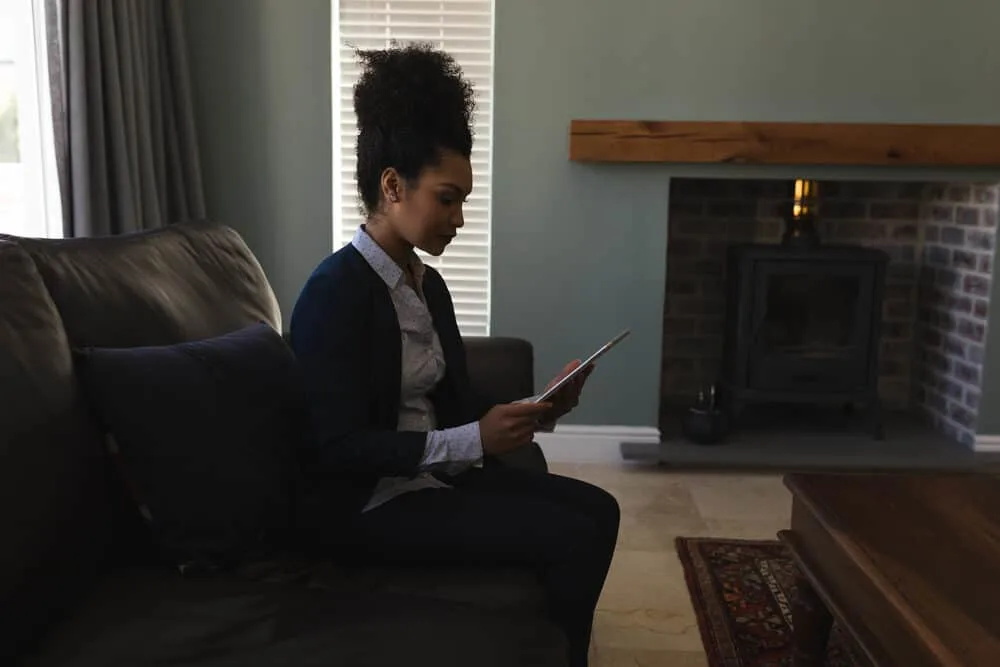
[(926, 307), (802, 325)]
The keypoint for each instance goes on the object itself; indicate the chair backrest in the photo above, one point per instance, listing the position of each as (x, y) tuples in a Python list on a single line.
[(184, 282), (55, 515)]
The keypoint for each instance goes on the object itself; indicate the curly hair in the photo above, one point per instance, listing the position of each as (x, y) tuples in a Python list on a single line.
[(411, 103)]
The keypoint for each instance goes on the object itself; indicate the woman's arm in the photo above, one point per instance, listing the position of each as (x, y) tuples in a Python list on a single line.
[(332, 334)]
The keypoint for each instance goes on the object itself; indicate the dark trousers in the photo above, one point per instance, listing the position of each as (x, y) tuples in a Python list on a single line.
[(563, 528)]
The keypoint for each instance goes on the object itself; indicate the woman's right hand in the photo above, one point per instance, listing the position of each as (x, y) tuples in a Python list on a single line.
[(510, 425)]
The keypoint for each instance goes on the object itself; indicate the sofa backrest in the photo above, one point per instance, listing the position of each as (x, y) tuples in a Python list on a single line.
[(183, 282), (55, 519)]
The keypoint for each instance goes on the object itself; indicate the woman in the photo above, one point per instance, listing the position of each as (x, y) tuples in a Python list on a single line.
[(396, 422)]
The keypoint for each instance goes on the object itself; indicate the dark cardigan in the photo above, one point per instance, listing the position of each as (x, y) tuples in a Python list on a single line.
[(346, 337)]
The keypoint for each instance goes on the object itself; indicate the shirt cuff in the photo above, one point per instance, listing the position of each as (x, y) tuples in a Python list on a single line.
[(453, 449)]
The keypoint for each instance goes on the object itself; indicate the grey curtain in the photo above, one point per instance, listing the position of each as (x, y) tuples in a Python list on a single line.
[(126, 146)]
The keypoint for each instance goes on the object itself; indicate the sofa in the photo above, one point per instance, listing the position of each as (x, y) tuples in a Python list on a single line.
[(79, 584)]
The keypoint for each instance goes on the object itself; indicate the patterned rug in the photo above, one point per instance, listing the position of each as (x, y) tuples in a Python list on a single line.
[(742, 592)]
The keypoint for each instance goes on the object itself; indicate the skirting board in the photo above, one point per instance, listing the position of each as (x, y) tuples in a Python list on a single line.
[(987, 443), (592, 444)]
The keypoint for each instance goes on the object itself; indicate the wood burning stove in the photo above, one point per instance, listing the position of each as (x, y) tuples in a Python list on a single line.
[(803, 319)]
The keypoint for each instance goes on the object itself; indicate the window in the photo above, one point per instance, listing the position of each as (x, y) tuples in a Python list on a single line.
[(29, 193), (463, 28)]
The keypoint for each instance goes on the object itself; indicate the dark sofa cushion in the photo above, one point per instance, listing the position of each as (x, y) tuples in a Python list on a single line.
[(145, 617), (207, 432)]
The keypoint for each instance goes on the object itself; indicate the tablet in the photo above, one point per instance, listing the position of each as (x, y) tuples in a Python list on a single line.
[(545, 395)]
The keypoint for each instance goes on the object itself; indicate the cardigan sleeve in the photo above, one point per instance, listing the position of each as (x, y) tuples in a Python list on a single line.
[(332, 335)]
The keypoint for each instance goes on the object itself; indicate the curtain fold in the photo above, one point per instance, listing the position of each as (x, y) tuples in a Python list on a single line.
[(126, 145)]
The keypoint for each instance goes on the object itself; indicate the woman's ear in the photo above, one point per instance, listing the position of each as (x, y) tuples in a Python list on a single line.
[(390, 183)]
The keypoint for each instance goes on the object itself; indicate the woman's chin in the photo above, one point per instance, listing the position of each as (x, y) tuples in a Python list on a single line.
[(435, 247)]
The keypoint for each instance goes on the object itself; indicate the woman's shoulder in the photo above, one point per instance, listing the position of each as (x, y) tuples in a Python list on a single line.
[(339, 278)]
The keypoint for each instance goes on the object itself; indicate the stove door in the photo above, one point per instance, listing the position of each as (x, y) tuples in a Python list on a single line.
[(813, 325)]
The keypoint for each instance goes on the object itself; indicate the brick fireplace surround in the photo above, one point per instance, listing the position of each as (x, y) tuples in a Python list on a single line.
[(940, 238)]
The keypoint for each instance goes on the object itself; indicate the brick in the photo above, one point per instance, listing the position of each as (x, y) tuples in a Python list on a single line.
[(683, 248), (951, 389), (769, 208), (952, 236), (900, 210), (905, 274), (935, 360), (935, 401), (967, 373), (891, 368), (685, 206), (691, 306), (857, 230), (715, 249), (901, 253), (959, 304), (904, 232), (682, 286), (946, 321), (963, 259), (976, 285), (935, 191), (985, 194), (678, 326), (708, 267), (975, 353), (942, 213), (946, 278), (843, 210), (896, 330), (960, 193), (971, 330), (954, 347), (768, 230), (986, 264), (736, 208), (911, 190), (932, 233), (936, 255), (989, 217), (961, 415), (678, 365), (699, 346), (895, 292), (967, 215), (711, 326), (897, 309), (697, 227), (972, 399), (931, 338), (981, 309), (981, 240)]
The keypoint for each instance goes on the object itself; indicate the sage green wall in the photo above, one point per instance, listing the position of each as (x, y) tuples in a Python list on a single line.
[(261, 76), (579, 250)]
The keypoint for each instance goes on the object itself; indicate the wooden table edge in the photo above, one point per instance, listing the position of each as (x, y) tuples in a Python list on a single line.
[(868, 641)]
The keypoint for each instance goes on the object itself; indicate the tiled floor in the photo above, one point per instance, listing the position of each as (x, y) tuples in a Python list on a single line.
[(645, 616)]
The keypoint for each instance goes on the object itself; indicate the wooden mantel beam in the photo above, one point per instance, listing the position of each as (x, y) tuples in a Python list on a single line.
[(861, 144)]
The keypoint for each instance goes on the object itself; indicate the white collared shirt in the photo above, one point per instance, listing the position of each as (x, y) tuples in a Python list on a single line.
[(423, 367)]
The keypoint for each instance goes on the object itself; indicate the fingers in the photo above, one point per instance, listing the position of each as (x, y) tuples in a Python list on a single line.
[(527, 409)]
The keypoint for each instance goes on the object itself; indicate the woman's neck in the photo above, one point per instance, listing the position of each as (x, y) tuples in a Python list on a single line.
[(395, 246)]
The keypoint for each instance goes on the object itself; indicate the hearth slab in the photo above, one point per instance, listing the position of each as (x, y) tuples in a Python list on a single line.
[(909, 445)]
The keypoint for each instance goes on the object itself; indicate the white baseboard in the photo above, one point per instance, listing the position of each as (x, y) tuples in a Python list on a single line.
[(592, 444), (987, 443)]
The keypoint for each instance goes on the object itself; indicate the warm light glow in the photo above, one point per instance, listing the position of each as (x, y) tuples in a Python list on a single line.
[(805, 193)]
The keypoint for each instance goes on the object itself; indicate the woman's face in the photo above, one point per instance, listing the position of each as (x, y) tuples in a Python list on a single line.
[(428, 213)]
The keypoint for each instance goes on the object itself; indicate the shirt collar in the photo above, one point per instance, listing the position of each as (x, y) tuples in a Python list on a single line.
[(381, 263)]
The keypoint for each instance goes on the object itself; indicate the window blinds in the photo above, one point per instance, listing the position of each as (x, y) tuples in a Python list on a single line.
[(463, 28)]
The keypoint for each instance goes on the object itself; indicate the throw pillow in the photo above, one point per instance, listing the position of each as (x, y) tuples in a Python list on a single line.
[(207, 434)]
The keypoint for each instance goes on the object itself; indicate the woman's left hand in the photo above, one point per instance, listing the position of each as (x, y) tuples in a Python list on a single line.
[(567, 398)]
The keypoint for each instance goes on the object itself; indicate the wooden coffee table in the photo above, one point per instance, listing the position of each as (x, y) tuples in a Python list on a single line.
[(909, 565)]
